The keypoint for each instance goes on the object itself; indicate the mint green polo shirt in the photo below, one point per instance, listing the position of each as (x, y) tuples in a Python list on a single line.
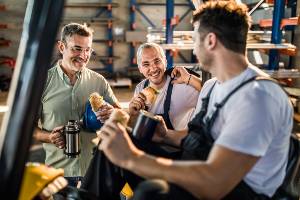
[(62, 102)]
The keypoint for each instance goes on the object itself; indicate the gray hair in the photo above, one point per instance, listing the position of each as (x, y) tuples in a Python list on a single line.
[(75, 29), (149, 45)]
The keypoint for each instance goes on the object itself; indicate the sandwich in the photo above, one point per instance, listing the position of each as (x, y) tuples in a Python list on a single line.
[(150, 94), (96, 101), (118, 116)]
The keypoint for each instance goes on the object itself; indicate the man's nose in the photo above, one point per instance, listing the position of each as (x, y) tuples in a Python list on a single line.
[(85, 54), (152, 66)]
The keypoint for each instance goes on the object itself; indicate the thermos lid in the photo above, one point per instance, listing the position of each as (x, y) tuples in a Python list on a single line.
[(72, 125)]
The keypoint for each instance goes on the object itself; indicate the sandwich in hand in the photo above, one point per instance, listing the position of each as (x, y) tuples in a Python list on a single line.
[(119, 116), (150, 94), (96, 101)]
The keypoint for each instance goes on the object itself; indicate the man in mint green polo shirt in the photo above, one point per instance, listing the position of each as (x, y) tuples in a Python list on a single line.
[(66, 92)]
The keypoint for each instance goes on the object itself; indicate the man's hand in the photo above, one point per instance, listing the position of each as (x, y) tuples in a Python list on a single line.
[(116, 144), (180, 75), (136, 104), (53, 187), (57, 138), (160, 131), (104, 112)]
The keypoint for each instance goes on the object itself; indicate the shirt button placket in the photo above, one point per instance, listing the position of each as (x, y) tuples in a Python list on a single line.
[(73, 103)]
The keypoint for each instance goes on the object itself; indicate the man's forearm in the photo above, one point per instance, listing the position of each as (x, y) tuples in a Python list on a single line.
[(41, 135), (174, 137), (179, 173), (195, 82), (210, 179)]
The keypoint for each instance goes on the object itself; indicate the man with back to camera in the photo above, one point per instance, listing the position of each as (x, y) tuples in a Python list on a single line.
[(175, 108), (68, 87), (241, 129)]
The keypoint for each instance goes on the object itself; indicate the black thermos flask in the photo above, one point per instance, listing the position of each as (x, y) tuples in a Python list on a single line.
[(71, 134)]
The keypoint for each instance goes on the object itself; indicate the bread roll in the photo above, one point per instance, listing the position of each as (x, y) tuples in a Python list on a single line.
[(150, 94), (120, 116), (96, 101), (117, 115)]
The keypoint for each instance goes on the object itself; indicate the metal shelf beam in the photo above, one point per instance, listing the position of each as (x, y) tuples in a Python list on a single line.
[(91, 5), (249, 46), (278, 14), (133, 60), (169, 31)]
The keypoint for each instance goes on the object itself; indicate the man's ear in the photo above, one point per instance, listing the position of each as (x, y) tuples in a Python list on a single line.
[(166, 63), (140, 69), (60, 46), (211, 41)]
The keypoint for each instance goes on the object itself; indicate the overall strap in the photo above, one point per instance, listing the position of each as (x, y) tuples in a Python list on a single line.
[(198, 121), (255, 78), (205, 100), (218, 106), (146, 83), (167, 104)]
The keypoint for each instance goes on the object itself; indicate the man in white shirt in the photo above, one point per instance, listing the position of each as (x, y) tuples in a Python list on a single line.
[(175, 102)]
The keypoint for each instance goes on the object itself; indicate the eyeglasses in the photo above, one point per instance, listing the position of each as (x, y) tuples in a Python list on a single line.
[(79, 50)]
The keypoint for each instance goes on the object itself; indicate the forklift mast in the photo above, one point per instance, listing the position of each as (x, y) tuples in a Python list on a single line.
[(41, 22)]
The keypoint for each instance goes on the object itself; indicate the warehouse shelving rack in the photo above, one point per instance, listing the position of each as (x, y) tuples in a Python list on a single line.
[(170, 23), (278, 24), (275, 47), (5, 60), (107, 20)]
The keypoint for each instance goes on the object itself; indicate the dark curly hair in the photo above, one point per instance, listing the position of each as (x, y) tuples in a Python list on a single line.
[(228, 20)]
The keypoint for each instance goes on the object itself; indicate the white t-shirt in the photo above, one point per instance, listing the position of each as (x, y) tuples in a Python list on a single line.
[(183, 102), (256, 120)]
